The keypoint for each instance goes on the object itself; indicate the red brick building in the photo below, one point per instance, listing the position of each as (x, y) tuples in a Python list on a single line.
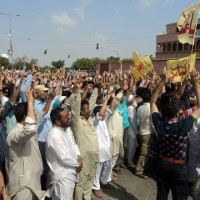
[(167, 47)]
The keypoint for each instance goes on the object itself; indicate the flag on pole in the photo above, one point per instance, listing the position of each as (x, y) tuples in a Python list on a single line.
[(177, 70), (148, 62), (141, 66), (46, 51), (136, 74), (187, 23)]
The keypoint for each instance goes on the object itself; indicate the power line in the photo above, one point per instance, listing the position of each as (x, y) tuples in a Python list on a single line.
[(83, 41)]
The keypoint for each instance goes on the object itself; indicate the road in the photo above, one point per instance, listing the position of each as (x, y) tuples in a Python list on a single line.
[(130, 187)]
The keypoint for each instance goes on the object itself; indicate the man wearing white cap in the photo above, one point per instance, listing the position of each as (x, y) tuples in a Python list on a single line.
[(42, 106), (132, 142)]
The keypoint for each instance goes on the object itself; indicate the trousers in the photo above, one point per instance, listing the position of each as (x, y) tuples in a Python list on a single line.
[(145, 144), (172, 176)]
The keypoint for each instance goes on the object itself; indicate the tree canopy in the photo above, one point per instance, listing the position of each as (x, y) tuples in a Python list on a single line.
[(4, 62), (85, 63), (58, 64), (112, 58)]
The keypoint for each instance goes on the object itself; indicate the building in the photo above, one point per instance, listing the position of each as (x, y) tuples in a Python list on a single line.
[(167, 48), (111, 66)]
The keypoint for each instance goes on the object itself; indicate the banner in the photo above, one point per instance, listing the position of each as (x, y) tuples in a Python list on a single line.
[(187, 23), (178, 69), (141, 66)]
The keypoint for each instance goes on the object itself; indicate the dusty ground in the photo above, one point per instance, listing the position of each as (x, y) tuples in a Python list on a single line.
[(130, 187)]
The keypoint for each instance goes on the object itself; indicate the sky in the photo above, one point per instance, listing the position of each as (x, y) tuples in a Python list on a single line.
[(73, 27)]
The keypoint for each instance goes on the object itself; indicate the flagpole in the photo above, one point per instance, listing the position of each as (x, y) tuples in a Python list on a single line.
[(195, 29), (48, 61)]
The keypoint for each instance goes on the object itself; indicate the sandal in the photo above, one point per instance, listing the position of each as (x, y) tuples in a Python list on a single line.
[(142, 176), (98, 193), (117, 170), (108, 185), (114, 178)]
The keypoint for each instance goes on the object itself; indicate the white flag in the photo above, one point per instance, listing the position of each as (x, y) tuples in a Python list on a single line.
[(187, 23)]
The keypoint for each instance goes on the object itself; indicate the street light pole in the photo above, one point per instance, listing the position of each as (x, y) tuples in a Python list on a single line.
[(10, 51), (97, 47)]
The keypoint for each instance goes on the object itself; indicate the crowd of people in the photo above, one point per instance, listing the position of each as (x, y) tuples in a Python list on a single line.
[(66, 135)]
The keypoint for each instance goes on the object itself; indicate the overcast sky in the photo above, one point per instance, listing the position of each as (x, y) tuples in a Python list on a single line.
[(75, 26)]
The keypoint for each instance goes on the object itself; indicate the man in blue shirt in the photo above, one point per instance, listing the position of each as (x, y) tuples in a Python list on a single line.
[(43, 106)]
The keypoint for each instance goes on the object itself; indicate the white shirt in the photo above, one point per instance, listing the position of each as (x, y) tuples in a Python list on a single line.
[(132, 130), (61, 149), (103, 137), (143, 119), (4, 99)]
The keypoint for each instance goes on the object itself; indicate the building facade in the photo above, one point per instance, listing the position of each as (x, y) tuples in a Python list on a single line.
[(167, 48)]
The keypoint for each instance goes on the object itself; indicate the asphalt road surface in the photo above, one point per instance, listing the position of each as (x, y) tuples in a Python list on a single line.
[(130, 187)]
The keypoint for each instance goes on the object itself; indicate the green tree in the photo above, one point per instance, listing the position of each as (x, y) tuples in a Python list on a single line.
[(58, 64), (22, 63), (85, 63), (44, 69), (34, 61), (4, 62), (112, 58)]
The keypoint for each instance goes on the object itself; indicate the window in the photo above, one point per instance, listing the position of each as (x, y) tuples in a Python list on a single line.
[(174, 47), (164, 47), (169, 47), (186, 47), (198, 44), (180, 47)]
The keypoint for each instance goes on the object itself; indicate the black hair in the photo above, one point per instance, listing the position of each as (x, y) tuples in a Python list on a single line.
[(118, 90), (171, 108), (99, 97), (165, 98), (139, 91), (84, 102), (146, 95), (7, 90), (66, 93), (20, 111), (85, 83), (55, 114), (91, 82), (96, 110)]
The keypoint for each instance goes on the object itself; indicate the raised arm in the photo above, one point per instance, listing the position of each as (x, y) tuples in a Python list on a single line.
[(195, 81), (84, 94), (76, 105), (182, 89), (102, 111), (27, 82), (156, 94), (30, 125), (93, 99)]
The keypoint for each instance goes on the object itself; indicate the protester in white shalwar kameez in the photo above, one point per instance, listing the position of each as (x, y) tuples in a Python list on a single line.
[(63, 157), (104, 167), (132, 142)]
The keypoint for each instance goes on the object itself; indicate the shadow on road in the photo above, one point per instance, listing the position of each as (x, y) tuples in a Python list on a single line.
[(119, 193)]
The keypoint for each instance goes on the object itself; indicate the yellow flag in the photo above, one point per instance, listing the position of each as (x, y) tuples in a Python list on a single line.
[(136, 74), (187, 23), (178, 69), (148, 62), (142, 66)]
